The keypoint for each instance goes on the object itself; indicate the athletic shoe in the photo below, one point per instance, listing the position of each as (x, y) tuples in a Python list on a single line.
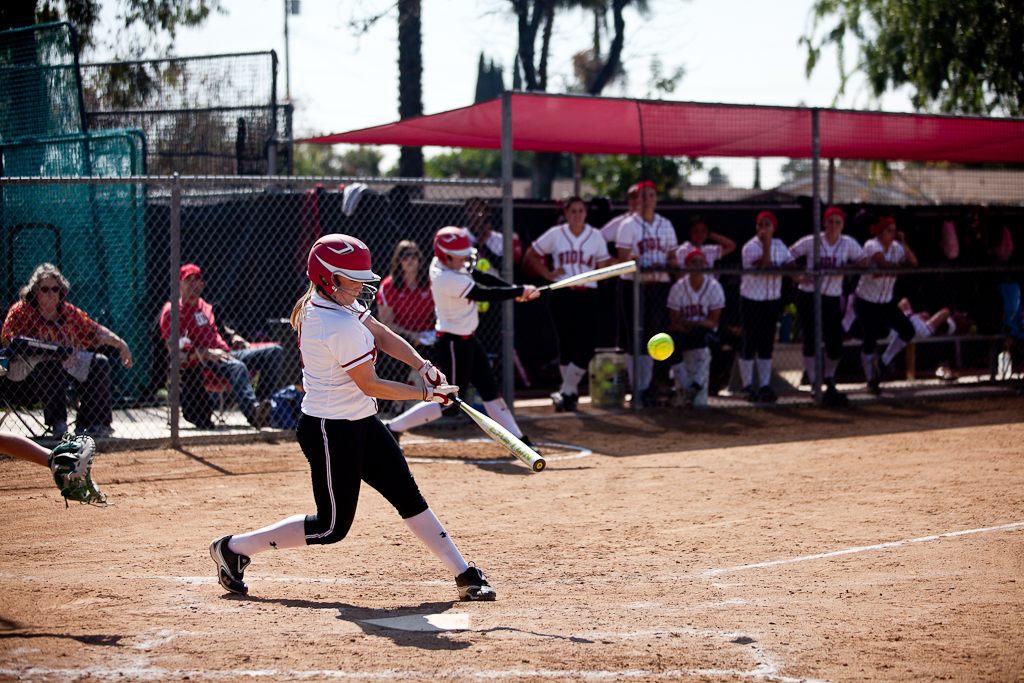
[(874, 386), (260, 417), (682, 397), (833, 398), (750, 393), (71, 463), (571, 401), (96, 431), (526, 440), (559, 400), (767, 395), (473, 586), (230, 566)]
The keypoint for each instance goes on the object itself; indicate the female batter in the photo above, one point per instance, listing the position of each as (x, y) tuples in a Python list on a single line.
[(339, 432), (574, 247)]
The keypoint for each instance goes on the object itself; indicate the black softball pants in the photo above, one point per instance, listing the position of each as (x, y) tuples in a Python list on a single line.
[(877, 319), (574, 314), (831, 323), (759, 318), (463, 361), (341, 455)]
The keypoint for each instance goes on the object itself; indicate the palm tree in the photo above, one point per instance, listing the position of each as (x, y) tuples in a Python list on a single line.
[(410, 88)]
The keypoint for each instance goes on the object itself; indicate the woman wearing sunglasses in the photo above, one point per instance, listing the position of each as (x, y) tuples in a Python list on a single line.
[(43, 313)]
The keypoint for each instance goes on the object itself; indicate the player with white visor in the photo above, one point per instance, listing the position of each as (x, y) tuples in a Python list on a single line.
[(456, 287), (339, 432)]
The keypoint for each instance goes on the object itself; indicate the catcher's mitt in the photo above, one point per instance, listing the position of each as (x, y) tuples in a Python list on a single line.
[(71, 464)]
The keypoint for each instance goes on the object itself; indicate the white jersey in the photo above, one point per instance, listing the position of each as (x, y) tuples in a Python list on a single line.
[(333, 340), (712, 252), (574, 254), (696, 305), (763, 287), (653, 241), (845, 250), (878, 288), (495, 241), (455, 313), (921, 329), (610, 230)]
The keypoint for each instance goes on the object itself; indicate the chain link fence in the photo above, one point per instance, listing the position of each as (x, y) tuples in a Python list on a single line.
[(118, 244)]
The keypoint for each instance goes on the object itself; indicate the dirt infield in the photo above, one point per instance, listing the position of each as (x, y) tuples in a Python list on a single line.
[(884, 543)]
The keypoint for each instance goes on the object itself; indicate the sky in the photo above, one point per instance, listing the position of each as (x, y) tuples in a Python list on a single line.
[(733, 51)]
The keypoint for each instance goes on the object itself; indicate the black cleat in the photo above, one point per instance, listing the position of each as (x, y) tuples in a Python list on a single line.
[(559, 400), (767, 395), (874, 386), (526, 440), (230, 566), (750, 393), (473, 586), (833, 398), (571, 401)]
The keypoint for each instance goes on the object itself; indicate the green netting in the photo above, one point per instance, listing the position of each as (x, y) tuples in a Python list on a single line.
[(95, 234), (39, 82)]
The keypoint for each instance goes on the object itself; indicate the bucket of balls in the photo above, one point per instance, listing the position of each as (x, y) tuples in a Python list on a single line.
[(608, 378)]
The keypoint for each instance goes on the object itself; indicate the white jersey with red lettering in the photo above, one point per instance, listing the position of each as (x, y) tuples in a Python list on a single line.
[(712, 252), (574, 254), (763, 287), (695, 305), (845, 250), (653, 241), (878, 288), (333, 340)]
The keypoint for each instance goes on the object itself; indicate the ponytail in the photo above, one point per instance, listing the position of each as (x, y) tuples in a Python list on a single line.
[(296, 317)]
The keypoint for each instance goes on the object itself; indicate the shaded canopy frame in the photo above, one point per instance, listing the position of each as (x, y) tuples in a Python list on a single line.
[(599, 125)]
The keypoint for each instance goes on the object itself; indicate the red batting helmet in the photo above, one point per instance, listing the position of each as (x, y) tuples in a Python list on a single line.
[(452, 241), (341, 254)]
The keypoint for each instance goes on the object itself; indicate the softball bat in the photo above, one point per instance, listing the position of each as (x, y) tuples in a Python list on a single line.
[(503, 437), (593, 276)]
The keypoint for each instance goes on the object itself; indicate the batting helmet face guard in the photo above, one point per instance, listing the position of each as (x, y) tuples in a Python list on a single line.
[(345, 256), (452, 241)]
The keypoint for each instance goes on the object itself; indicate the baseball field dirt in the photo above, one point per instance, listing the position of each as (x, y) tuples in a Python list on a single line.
[(880, 543)]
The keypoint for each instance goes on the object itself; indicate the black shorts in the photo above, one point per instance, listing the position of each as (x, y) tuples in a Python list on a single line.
[(464, 362), (341, 455)]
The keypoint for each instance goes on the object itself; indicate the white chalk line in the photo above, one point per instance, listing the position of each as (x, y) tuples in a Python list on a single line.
[(581, 452), (861, 549)]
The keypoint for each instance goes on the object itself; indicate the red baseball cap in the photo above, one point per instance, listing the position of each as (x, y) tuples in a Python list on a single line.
[(692, 255), (189, 269), (834, 210)]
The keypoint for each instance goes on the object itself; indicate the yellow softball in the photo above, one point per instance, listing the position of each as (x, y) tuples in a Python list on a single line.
[(660, 346)]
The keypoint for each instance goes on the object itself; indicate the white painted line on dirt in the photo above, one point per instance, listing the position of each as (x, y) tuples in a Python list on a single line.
[(581, 452), (762, 673), (861, 549)]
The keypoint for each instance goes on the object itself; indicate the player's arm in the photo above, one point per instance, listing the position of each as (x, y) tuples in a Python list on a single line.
[(487, 287), (538, 263), (911, 257), (728, 246), (370, 384), (676, 322)]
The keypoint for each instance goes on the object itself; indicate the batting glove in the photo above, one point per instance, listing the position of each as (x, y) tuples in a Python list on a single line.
[(432, 377), (442, 393)]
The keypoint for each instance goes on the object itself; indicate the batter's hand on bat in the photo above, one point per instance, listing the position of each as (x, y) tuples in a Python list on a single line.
[(529, 293), (432, 377), (442, 393)]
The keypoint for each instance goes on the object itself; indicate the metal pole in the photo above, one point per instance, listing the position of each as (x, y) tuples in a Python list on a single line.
[(508, 338), (174, 391), (638, 331), (287, 70), (578, 174), (819, 361)]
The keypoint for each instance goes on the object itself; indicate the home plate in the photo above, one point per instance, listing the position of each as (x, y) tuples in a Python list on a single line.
[(425, 622)]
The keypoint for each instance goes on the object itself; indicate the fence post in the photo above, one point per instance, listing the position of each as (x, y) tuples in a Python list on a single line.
[(638, 345), (508, 334), (819, 361), (174, 390)]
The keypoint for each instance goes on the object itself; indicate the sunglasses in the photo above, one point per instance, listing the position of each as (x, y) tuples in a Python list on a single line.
[(410, 254), (49, 290)]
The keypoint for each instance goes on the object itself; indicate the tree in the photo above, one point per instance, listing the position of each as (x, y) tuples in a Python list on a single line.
[(611, 175), (410, 87), (323, 160), (157, 18), (475, 163), (959, 57)]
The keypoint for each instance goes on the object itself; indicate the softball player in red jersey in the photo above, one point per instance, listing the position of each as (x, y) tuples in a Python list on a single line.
[(695, 303), (875, 308), (456, 288), (651, 241), (339, 432), (837, 250), (574, 247)]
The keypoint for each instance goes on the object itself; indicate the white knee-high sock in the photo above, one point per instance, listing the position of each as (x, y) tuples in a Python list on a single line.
[(419, 414), (703, 370), (288, 533), (895, 346), (851, 313), (427, 527), (866, 362), (500, 414), (809, 369), (646, 372), (679, 374), (764, 371), (746, 372), (571, 378)]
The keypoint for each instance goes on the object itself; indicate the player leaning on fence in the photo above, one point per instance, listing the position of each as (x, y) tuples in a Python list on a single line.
[(877, 312), (339, 432)]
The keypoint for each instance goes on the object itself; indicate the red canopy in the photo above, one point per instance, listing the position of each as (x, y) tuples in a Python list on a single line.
[(600, 125)]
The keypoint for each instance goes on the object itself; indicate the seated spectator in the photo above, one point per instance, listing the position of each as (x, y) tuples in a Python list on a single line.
[(44, 314), (925, 325), (204, 348), (715, 247), (695, 303)]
